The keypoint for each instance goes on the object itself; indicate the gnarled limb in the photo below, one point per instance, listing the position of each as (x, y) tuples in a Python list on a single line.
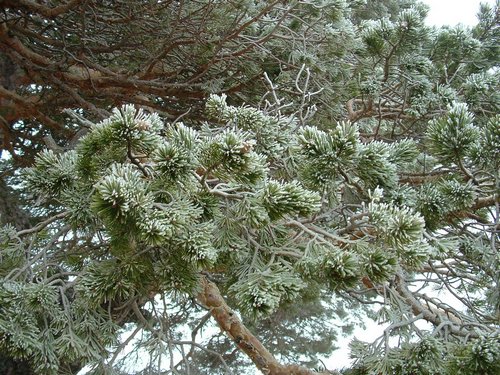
[(439, 318), (229, 322)]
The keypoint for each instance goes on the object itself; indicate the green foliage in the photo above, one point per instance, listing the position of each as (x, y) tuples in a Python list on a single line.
[(431, 204), (11, 250), (127, 131), (115, 280), (52, 174), (196, 244), (341, 269), (260, 293), (431, 356), (120, 194), (378, 264), (403, 152), (281, 199), (454, 45), (230, 156), (457, 195), (35, 326), (487, 151), (387, 196), (452, 137), (270, 133), (320, 154), (374, 167), (397, 226), (177, 157), (480, 356)]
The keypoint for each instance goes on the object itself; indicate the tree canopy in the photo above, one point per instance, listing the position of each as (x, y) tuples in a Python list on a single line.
[(279, 170)]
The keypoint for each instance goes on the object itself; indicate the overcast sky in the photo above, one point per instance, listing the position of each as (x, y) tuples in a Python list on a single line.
[(452, 12)]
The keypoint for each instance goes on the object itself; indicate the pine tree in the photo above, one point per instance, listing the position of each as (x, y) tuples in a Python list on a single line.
[(348, 179)]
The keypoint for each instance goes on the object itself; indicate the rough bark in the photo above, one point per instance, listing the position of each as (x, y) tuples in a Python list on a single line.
[(10, 208), (211, 298)]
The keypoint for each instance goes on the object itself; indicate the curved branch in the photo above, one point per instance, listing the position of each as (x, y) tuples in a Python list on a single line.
[(432, 315), (43, 224), (211, 298)]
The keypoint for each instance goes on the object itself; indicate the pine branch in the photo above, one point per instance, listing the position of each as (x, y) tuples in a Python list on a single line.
[(43, 224), (211, 298), (432, 315)]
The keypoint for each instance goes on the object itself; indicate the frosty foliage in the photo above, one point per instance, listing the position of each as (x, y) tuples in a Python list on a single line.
[(385, 198), (170, 201)]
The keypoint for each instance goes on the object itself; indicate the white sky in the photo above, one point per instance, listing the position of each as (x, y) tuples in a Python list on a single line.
[(452, 12)]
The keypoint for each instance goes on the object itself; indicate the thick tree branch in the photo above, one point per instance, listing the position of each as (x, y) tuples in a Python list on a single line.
[(28, 109), (228, 321), (486, 202)]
